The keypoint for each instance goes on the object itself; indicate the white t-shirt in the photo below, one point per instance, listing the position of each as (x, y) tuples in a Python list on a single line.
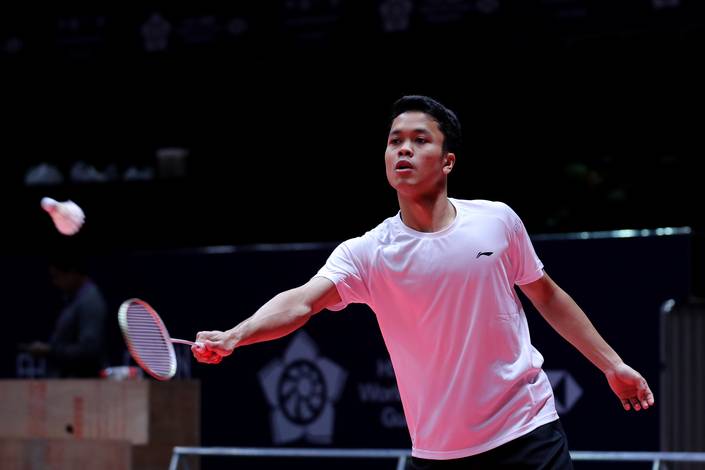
[(456, 332)]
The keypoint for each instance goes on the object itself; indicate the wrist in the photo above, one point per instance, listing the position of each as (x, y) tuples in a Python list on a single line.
[(612, 366), (235, 336)]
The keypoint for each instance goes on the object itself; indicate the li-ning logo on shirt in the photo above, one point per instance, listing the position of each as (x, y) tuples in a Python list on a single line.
[(484, 253)]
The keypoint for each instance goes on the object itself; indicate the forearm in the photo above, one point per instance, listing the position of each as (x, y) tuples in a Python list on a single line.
[(280, 316), (569, 320)]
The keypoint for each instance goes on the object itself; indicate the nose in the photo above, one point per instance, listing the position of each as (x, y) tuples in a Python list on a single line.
[(405, 149)]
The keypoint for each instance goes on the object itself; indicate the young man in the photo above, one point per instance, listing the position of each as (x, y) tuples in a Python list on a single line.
[(440, 277)]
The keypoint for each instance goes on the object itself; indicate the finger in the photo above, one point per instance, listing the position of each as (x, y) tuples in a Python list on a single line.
[(646, 398), (205, 335), (201, 357), (202, 335), (635, 403), (200, 353), (207, 356), (626, 405), (213, 359), (214, 346)]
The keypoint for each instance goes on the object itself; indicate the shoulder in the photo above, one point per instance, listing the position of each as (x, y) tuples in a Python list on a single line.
[(485, 210), (363, 245), (484, 207), (91, 296), (383, 234)]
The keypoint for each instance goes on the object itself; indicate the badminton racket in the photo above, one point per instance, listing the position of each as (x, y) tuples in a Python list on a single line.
[(148, 340)]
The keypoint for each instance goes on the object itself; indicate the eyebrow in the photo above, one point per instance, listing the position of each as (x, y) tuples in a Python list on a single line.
[(418, 130)]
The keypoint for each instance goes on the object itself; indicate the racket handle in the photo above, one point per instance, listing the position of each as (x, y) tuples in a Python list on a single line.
[(198, 344)]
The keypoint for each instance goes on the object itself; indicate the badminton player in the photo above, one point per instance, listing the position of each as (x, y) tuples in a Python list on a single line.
[(440, 276)]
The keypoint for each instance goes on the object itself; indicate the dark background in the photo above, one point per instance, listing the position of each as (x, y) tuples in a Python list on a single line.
[(582, 117)]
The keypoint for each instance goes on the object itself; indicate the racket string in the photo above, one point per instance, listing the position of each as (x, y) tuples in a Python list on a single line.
[(147, 337)]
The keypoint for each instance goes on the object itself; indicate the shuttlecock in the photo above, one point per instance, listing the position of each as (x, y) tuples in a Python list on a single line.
[(67, 216)]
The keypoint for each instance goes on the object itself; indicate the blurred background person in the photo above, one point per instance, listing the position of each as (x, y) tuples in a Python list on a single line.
[(77, 345)]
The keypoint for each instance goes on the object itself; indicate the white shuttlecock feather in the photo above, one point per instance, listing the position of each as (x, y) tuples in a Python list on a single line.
[(67, 216)]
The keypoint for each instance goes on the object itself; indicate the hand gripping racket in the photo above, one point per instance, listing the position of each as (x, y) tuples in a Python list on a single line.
[(148, 340)]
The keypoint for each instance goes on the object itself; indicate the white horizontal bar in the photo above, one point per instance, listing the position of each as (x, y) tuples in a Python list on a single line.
[(397, 453)]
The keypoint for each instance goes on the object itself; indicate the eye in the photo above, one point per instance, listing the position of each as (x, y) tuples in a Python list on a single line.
[(421, 140), (394, 141)]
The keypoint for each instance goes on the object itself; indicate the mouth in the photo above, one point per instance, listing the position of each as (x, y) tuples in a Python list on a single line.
[(403, 165)]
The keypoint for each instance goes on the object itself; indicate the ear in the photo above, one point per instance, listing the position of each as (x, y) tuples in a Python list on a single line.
[(449, 162)]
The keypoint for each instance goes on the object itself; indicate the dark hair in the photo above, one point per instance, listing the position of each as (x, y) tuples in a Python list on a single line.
[(68, 257), (447, 121)]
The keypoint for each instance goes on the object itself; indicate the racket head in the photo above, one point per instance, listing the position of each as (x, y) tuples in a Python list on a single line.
[(147, 339)]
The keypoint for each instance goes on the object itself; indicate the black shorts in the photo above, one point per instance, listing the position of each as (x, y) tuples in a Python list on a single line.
[(544, 448)]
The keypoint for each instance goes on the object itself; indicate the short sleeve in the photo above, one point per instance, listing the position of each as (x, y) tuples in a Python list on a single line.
[(526, 263), (345, 269)]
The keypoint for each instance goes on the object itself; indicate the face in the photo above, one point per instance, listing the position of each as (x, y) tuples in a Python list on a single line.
[(65, 281), (415, 161)]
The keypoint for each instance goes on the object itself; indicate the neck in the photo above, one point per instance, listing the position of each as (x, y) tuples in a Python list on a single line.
[(427, 214), (78, 284)]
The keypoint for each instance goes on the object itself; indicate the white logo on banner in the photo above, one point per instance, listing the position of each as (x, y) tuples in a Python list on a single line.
[(301, 389), (565, 389)]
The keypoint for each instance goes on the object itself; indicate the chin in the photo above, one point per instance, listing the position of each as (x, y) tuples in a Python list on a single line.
[(405, 189)]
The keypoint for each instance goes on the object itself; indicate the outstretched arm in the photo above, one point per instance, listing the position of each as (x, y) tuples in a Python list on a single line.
[(569, 320), (283, 314)]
